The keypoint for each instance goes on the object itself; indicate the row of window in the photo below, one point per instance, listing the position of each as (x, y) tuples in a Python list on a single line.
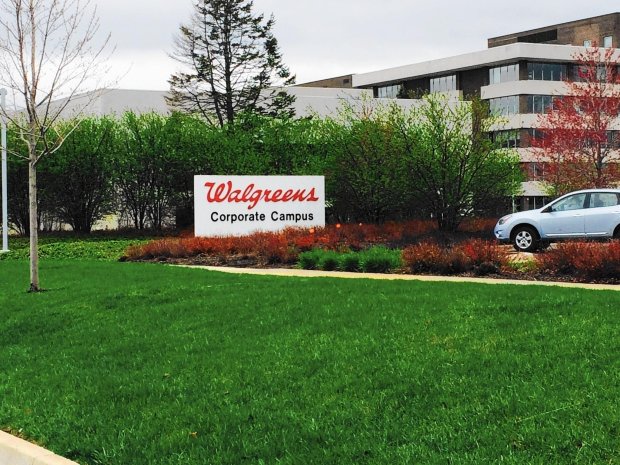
[(512, 138), (389, 91), (507, 73), (509, 105), (546, 71), (608, 42), (443, 83), (536, 71), (504, 106), (542, 72)]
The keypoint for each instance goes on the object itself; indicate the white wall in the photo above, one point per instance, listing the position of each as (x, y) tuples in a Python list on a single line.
[(115, 102), (309, 101)]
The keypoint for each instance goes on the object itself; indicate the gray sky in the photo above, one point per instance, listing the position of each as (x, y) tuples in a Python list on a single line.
[(325, 38)]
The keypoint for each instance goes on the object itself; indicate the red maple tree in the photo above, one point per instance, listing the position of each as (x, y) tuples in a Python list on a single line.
[(576, 141)]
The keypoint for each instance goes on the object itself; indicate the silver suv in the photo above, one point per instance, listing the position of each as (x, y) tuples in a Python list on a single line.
[(593, 213)]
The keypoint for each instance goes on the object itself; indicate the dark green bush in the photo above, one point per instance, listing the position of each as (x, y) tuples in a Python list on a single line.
[(380, 260), (310, 260), (329, 260), (349, 262)]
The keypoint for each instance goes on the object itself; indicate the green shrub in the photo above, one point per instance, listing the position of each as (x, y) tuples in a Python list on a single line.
[(526, 266), (329, 260), (349, 262), (380, 260), (309, 260)]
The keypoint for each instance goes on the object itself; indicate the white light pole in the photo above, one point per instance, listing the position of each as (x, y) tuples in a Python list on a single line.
[(5, 208)]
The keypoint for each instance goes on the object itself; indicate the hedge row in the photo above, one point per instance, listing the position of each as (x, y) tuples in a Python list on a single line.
[(404, 247), (379, 164), (284, 246)]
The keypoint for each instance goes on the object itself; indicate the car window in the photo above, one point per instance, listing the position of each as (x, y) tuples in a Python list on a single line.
[(603, 199), (573, 202)]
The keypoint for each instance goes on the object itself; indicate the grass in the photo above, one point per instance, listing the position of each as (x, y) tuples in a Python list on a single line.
[(128, 363), (69, 247)]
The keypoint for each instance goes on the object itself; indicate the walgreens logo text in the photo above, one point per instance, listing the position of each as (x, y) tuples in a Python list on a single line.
[(226, 192)]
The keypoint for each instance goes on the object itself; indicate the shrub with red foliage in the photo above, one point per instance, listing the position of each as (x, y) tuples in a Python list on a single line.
[(583, 260), (285, 245), (481, 256), (424, 257), (479, 251), (478, 225)]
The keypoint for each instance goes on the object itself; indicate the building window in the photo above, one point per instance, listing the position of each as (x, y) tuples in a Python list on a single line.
[(587, 43), (607, 42), (537, 171), (507, 73), (613, 140), (546, 71), (586, 73), (539, 103), (534, 134), (510, 139), (443, 83), (503, 106), (389, 91), (534, 171)]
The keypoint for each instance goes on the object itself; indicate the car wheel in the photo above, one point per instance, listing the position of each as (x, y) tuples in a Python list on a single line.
[(525, 239)]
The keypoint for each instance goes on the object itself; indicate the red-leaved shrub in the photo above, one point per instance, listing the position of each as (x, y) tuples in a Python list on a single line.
[(480, 251), (583, 260), (424, 257), (284, 246), (477, 225), (481, 256)]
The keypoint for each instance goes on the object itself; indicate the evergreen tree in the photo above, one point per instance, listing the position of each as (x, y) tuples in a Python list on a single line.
[(233, 63)]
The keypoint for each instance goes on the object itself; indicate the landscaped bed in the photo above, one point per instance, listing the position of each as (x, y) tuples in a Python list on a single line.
[(136, 363), (410, 247)]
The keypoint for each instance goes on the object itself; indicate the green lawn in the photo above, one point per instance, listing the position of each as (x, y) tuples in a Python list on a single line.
[(69, 247), (125, 363)]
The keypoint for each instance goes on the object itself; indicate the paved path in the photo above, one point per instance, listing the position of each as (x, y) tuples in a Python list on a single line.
[(403, 277), (15, 451)]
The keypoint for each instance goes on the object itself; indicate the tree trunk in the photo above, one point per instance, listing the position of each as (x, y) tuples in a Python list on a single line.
[(34, 225)]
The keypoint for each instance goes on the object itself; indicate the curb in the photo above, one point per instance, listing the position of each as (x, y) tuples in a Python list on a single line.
[(16, 451), (400, 277)]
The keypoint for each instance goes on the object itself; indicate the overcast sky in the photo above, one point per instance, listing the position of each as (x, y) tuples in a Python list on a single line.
[(325, 38)]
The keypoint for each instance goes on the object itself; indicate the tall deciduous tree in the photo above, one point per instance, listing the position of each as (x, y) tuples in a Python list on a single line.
[(48, 52), (366, 177), (454, 165), (577, 145), (232, 61), (143, 175), (79, 176)]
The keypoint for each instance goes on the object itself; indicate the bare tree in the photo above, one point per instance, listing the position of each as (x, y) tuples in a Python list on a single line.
[(50, 50)]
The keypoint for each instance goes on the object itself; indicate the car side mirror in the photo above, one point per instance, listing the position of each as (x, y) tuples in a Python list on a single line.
[(547, 210)]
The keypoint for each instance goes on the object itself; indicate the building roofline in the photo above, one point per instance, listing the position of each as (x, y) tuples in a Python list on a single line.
[(552, 26), (487, 57)]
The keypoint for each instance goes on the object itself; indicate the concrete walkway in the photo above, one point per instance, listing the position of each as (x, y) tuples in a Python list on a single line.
[(401, 277), (15, 451)]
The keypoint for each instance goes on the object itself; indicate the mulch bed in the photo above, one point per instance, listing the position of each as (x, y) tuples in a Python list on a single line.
[(246, 261)]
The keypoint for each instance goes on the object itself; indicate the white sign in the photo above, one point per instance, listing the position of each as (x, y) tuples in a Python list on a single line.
[(238, 205)]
